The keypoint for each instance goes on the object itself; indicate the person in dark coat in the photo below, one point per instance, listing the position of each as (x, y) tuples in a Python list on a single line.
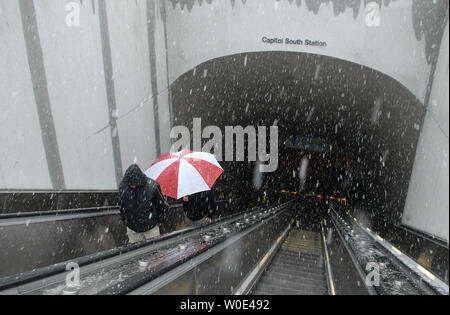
[(199, 208), (142, 205)]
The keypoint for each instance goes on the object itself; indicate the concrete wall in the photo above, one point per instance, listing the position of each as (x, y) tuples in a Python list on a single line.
[(73, 64), (77, 103), (427, 205), (198, 33), (21, 150)]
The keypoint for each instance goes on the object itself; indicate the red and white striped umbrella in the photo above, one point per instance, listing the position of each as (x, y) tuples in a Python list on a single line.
[(185, 173)]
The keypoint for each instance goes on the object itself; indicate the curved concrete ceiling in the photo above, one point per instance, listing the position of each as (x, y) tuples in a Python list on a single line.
[(348, 105)]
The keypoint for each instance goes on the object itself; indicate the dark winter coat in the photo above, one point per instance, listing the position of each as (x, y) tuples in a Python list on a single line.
[(143, 207), (200, 205)]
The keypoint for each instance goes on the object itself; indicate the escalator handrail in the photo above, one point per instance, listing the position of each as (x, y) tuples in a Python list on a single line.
[(436, 284), (357, 266), (208, 251), (45, 272)]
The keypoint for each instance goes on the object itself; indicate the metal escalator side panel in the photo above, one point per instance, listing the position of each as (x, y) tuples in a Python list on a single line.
[(221, 269), (341, 265)]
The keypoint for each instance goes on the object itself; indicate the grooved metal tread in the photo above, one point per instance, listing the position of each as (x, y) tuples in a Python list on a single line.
[(297, 269)]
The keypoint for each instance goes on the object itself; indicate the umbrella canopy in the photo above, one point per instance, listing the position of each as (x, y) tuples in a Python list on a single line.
[(185, 173)]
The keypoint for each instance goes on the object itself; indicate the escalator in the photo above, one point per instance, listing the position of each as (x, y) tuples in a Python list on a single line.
[(297, 268), (195, 261), (285, 249), (397, 274)]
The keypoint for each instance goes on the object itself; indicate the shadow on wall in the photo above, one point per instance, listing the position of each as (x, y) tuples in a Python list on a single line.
[(429, 17)]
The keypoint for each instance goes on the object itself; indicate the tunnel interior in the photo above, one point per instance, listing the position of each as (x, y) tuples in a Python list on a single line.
[(367, 125)]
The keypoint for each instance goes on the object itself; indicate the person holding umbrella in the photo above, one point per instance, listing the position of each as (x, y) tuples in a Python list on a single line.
[(199, 208), (142, 205), (191, 176)]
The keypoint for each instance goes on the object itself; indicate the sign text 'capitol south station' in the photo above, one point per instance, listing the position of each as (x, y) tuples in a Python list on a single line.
[(289, 41)]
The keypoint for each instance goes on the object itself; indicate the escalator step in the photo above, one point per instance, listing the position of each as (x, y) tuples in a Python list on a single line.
[(300, 256), (309, 263), (292, 268), (296, 254), (297, 276), (276, 264), (320, 280), (303, 249), (273, 289), (297, 268), (261, 293), (318, 289), (294, 285), (297, 273)]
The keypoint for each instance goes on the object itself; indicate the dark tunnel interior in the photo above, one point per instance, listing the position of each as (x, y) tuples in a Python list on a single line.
[(365, 124)]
